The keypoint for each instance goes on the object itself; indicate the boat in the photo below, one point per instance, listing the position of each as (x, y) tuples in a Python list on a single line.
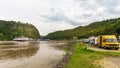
[(21, 39)]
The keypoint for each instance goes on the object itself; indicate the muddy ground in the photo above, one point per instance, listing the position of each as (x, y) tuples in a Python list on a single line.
[(107, 62)]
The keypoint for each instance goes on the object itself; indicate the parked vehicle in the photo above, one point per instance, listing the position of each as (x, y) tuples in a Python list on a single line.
[(86, 40), (108, 41), (95, 41)]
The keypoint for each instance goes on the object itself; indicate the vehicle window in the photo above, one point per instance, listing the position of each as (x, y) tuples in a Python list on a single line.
[(110, 40)]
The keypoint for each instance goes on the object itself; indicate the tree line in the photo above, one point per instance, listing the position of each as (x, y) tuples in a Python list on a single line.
[(11, 29), (105, 27)]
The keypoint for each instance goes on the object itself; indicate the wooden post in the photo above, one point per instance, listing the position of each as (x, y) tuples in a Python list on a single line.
[(80, 43)]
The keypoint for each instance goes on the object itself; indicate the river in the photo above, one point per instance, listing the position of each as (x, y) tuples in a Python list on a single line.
[(44, 54)]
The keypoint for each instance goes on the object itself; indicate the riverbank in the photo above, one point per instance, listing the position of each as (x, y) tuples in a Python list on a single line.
[(81, 57)]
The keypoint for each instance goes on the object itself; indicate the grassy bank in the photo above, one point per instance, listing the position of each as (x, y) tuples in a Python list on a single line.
[(84, 58)]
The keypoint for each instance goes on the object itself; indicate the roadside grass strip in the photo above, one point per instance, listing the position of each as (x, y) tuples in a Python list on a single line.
[(84, 58)]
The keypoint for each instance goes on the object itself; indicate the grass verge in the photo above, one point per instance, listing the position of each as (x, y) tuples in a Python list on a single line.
[(84, 58)]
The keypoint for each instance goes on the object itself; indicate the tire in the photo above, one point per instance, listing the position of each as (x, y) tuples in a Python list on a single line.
[(116, 48), (104, 47)]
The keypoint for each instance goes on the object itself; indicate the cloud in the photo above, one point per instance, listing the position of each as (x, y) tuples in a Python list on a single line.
[(53, 18), (52, 15), (109, 5), (99, 9), (59, 17)]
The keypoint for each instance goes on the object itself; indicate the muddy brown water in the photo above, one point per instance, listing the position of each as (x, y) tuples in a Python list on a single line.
[(30, 55)]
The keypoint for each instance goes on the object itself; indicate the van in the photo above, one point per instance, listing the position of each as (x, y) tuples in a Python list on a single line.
[(108, 41)]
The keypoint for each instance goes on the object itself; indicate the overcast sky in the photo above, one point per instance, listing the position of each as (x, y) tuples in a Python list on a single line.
[(52, 15)]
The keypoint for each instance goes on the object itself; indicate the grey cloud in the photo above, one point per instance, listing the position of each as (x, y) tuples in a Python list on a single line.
[(79, 0), (110, 5), (59, 17), (84, 16), (85, 4), (110, 11), (52, 18)]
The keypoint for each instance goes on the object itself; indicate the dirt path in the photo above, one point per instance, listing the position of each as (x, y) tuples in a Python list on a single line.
[(109, 62), (96, 48)]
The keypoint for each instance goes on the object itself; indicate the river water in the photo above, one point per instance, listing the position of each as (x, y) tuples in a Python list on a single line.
[(43, 54)]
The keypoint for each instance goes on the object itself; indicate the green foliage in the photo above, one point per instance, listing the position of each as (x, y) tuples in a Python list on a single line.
[(11, 29), (82, 58), (2, 37), (106, 27)]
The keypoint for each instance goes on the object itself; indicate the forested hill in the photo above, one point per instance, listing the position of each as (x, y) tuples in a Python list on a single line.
[(111, 26), (11, 29)]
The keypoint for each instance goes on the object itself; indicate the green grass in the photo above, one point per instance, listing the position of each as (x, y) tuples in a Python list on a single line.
[(84, 58)]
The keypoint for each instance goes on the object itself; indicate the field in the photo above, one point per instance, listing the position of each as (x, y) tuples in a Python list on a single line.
[(86, 58)]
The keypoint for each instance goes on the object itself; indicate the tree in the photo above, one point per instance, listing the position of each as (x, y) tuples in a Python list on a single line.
[(110, 26)]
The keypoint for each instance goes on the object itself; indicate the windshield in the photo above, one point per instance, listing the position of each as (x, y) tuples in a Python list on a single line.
[(110, 40)]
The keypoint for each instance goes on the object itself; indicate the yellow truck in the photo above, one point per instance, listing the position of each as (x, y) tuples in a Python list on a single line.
[(108, 41)]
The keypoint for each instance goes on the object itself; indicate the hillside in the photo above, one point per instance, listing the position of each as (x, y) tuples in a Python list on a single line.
[(111, 26), (12, 29)]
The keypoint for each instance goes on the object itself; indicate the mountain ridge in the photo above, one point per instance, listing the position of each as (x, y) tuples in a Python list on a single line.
[(105, 27), (11, 29)]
